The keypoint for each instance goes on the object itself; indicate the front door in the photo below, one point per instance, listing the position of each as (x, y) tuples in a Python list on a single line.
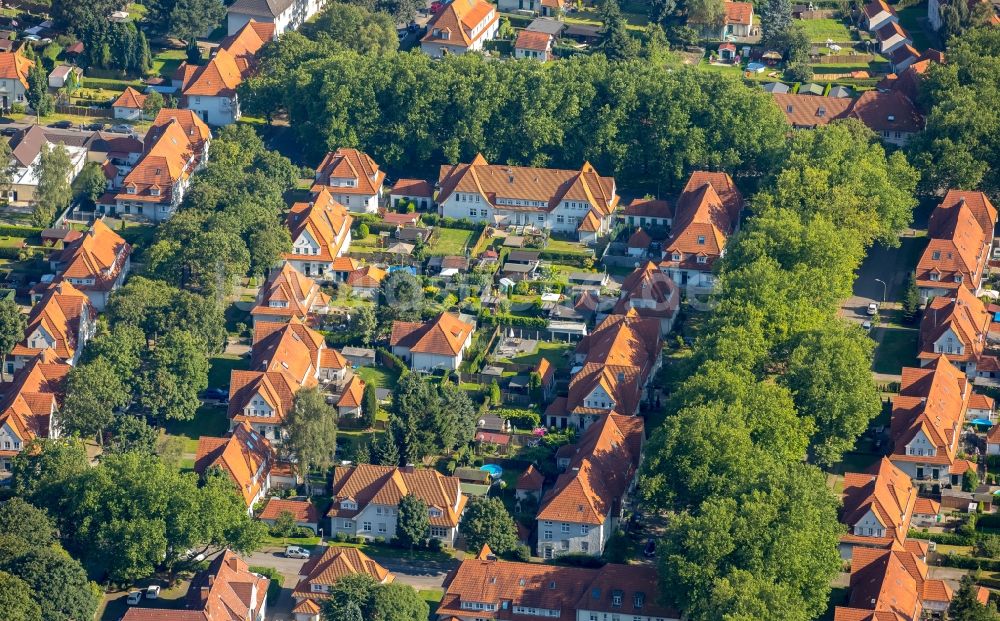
[(920, 472)]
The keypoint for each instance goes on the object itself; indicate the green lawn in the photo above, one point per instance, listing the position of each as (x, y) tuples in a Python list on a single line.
[(450, 241), (561, 245), (209, 420), (382, 378), (819, 30), (914, 20), (7, 241), (433, 598), (220, 367), (554, 351), (166, 62), (897, 350)]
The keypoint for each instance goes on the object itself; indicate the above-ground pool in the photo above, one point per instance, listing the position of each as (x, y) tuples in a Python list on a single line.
[(982, 422), (495, 471)]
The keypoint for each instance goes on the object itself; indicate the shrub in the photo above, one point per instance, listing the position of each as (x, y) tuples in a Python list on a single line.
[(340, 537), (521, 553), (435, 544)]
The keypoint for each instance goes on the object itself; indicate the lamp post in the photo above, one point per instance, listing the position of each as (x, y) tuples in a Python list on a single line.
[(884, 288)]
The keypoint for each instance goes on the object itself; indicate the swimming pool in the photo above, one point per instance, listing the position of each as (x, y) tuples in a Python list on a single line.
[(982, 422), (495, 471)]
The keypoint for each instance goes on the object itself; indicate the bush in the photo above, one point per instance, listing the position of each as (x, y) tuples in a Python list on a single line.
[(521, 553), (948, 539), (799, 72), (969, 562), (302, 532), (520, 417), (340, 537), (435, 544)]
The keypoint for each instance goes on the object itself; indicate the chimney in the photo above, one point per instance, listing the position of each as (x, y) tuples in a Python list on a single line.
[(408, 468), (203, 595)]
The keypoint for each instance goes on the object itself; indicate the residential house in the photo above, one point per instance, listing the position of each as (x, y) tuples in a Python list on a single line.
[(226, 591), (349, 403), (530, 484), (283, 14), (117, 155), (890, 114), (323, 570), (648, 212), (903, 57), (244, 455), (546, 378), (28, 405), (352, 178), (286, 294), (485, 587), (129, 105), (638, 244), (366, 282), (302, 511), (736, 23), (926, 512), (199, 136), (878, 507), (533, 44), (63, 320), (342, 268), (577, 202), (96, 263), (651, 294), (955, 327), (584, 507), (155, 186), (416, 191), (210, 89), (961, 237), (438, 343), (877, 14), (708, 212), (14, 69), (892, 584), (460, 26), (27, 147), (545, 8), (366, 500), (890, 36), (321, 233), (927, 420), (65, 76)]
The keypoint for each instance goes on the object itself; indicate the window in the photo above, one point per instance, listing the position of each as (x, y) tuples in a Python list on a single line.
[(548, 535), (584, 529), (564, 527), (472, 212), (584, 546), (378, 510), (366, 526), (676, 256), (439, 531), (565, 544), (381, 527), (616, 598), (701, 240), (702, 259), (560, 219), (348, 524)]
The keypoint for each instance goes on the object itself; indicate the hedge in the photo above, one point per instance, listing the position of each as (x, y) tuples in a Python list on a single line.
[(513, 320), (961, 561), (432, 219), (388, 359), (566, 258), (9, 253), (947, 539), (19, 231)]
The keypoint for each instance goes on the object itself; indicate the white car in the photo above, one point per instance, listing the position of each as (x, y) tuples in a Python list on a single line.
[(152, 591), (866, 326), (296, 552), (134, 597), (873, 308)]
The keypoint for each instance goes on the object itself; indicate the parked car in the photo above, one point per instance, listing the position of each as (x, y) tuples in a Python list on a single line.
[(134, 597), (152, 591), (122, 128), (216, 393), (296, 552), (650, 550), (873, 308), (866, 326), (62, 124), (8, 131), (401, 33), (96, 127)]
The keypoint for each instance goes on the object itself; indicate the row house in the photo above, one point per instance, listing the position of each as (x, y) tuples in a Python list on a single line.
[(927, 420), (891, 35), (877, 14), (894, 42), (652, 295), (62, 320), (326, 567), (574, 202), (585, 506), (14, 68), (416, 191), (95, 263), (366, 500), (438, 343), (707, 214), (26, 148), (648, 213), (285, 357), (485, 587), (616, 362), (460, 26), (226, 591), (288, 294), (961, 238), (352, 178), (321, 234), (210, 90), (890, 114), (283, 15), (176, 146), (878, 507), (247, 457), (892, 584), (955, 327), (29, 405)]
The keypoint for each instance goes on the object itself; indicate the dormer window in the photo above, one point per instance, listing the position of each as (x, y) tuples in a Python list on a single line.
[(892, 117), (936, 255), (958, 278), (616, 598), (154, 191), (348, 504), (639, 600), (434, 512), (676, 256), (130, 189), (703, 259)]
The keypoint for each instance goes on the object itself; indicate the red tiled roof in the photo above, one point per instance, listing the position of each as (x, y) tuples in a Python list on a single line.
[(532, 40), (530, 479), (649, 208), (413, 187), (964, 316), (332, 564), (352, 164), (242, 454), (58, 318), (738, 12), (445, 335), (325, 221), (99, 254), (131, 98), (301, 510), (386, 485), (454, 23), (887, 493)]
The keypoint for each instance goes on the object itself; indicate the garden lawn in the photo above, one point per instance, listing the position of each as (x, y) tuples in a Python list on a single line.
[(450, 241), (209, 420), (561, 245), (433, 598), (220, 367), (554, 351), (166, 62), (382, 378), (897, 350), (819, 30), (914, 20)]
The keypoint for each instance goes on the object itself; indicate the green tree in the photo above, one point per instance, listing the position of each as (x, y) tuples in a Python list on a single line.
[(131, 433), (177, 370), (42, 472), (347, 26), (26, 521), (775, 22), (12, 324), (190, 19), (283, 525), (152, 105), (53, 193), (312, 432), (369, 406), (495, 396), (384, 451), (616, 42), (224, 521), (94, 391), (266, 245), (412, 522), (362, 232), (6, 171), (366, 324), (90, 183), (398, 602), (965, 605), (58, 583), (705, 11), (911, 299), (38, 89), (17, 600), (486, 521), (122, 347)]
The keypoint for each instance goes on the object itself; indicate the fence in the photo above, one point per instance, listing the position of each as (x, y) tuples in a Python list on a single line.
[(819, 14), (97, 113), (844, 59)]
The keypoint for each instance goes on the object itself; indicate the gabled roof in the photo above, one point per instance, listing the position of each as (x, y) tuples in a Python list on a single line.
[(168, 159), (269, 9), (301, 510), (194, 128), (14, 66), (458, 19), (875, 7), (889, 30), (932, 401), (533, 40), (131, 98), (810, 111), (353, 393), (323, 219), (707, 212), (276, 389), (386, 485), (291, 348), (977, 202), (649, 208), (413, 187), (602, 469), (334, 563), (958, 248), (738, 12), (31, 397), (99, 254), (219, 77), (300, 294), (886, 492), (965, 315), (347, 163), (58, 314), (887, 112), (242, 454), (445, 335), (886, 582), (367, 277), (648, 291), (531, 479)]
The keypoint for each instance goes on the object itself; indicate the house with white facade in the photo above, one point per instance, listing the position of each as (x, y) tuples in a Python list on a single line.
[(878, 506), (460, 26), (14, 69), (736, 23), (534, 44), (283, 14), (321, 234), (366, 500), (96, 263), (62, 321), (29, 405), (890, 36), (545, 8), (573, 202), (243, 454), (323, 569), (877, 14), (955, 327), (439, 343), (27, 147), (129, 105), (352, 178), (961, 241), (286, 294)]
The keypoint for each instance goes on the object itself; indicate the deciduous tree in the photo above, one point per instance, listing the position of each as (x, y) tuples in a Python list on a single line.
[(412, 523), (176, 371), (486, 521), (53, 193), (94, 391), (12, 324), (312, 432)]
